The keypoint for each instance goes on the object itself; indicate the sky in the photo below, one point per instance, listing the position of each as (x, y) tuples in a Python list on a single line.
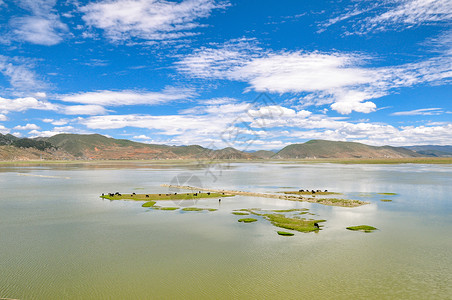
[(248, 74)]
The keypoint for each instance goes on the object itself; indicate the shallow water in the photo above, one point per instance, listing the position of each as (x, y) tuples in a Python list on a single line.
[(59, 240)]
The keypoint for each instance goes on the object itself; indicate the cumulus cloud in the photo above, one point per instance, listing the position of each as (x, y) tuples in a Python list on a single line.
[(42, 26), (127, 97), (148, 19), (23, 104), (3, 117), (4, 130), (339, 79), (27, 127), (54, 131)]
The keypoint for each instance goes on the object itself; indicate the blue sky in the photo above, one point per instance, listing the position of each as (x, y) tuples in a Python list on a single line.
[(249, 74)]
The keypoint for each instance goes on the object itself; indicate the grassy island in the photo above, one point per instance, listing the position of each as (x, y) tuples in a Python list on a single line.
[(386, 200), (388, 194), (285, 233), (163, 196), (198, 209), (363, 228), (238, 213), (247, 220)]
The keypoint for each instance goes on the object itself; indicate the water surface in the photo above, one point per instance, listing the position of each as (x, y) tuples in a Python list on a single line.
[(59, 240)]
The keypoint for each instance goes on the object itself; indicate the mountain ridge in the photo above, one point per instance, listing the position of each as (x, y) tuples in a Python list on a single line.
[(99, 147)]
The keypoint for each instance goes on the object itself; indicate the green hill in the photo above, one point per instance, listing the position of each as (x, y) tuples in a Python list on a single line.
[(333, 149)]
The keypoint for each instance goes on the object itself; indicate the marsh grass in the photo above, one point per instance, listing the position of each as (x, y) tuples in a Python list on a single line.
[(386, 200), (165, 208), (310, 193), (149, 204), (237, 213), (388, 194), (247, 220), (364, 228), (198, 209), (285, 233), (298, 224)]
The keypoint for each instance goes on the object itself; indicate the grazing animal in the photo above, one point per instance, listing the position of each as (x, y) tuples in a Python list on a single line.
[(195, 194), (223, 193), (175, 193), (147, 196), (131, 195), (326, 191), (208, 193), (167, 194), (316, 225), (134, 193), (219, 200), (319, 191), (111, 194), (160, 194), (313, 191), (103, 194), (301, 191)]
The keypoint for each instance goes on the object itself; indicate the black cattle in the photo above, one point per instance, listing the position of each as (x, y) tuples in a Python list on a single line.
[(301, 191), (175, 193), (195, 194), (316, 225), (147, 196), (131, 195), (208, 193), (319, 191), (134, 193), (326, 191), (313, 191), (103, 194), (219, 200)]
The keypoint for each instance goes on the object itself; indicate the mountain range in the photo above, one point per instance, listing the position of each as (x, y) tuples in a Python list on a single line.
[(99, 147)]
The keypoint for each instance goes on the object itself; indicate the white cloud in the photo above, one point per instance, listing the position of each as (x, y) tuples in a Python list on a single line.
[(339, 79), (393, 14), (83, 110), (3, 117), (42, 27), (4, 130), (147, 19), (27, 127), (39, 30), (19, 74), (419, 112), (119, 98), (22, 104), (142, 137), (54, 131)]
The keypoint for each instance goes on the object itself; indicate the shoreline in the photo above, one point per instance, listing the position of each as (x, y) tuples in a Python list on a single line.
[(390, 161)]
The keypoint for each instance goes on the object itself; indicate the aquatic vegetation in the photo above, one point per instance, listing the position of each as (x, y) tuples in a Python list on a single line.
[(198, 209), (338, 202), (290, 210), (285, 233), (364, 228), (298, 224), (237, 213), (149, 204), (388, 194), (165, 208), (386, 200), (247, 220)]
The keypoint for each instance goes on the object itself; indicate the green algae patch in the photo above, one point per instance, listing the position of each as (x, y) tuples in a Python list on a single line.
[(285, 233), (247, 220), (198, 209), (364, 228), (339, 202), (290, 210), (386, 200), (388, 194), (163, 196), (148, 204), (165, 208), (238, 213), (298, 224)]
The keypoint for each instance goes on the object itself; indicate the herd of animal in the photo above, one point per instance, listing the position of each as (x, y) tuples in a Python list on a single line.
[(147, 196), (312, 191)]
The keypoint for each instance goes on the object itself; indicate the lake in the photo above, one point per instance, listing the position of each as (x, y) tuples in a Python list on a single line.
[(60, 240)]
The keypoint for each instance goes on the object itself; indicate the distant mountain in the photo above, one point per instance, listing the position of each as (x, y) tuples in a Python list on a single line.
[(96, 146), (333, 149), (99, 147), (432, 150), (265, 154)]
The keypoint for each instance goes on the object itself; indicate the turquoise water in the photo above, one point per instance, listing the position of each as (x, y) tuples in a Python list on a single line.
[(59, 240)]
